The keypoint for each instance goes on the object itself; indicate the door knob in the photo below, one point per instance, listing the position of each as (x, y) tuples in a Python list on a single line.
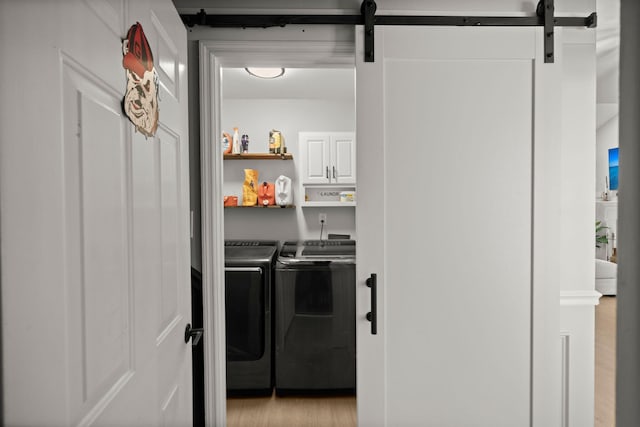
[(190, 332)]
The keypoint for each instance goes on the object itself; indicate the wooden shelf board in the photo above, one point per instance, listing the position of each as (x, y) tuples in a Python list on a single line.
[(258, 156)]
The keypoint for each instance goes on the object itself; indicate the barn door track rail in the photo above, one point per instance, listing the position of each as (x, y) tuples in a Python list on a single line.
[(544, 17)]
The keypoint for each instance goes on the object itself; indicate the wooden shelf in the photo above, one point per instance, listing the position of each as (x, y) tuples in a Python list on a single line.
[(261, 207), (258, 156)]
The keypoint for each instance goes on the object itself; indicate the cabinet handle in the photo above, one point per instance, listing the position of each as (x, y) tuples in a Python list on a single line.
[(372, 316), (334, 172), (327, 169)]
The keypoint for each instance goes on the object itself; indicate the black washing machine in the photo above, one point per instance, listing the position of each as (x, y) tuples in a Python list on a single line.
[(315, 338), (249, 278)]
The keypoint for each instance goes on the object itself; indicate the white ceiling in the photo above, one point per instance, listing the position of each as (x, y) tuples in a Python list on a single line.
[(297, 83)]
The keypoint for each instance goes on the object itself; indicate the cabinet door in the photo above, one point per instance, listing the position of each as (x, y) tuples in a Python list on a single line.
[(315, 168), (343, 158)]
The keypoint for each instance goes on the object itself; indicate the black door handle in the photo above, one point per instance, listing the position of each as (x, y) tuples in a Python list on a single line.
[(372, 316), (190, 332)]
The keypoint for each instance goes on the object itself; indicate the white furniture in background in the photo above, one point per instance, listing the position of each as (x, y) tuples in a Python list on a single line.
[(606, 277), (327, 166)]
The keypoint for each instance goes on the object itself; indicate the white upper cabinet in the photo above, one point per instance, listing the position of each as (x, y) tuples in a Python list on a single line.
[(315, 158), (328, 157), (343, 158)]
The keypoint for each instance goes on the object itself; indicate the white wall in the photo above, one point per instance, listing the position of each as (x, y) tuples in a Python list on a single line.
[(578, 161), (576, 230), (608, 51), (607, 65), (256, 117)]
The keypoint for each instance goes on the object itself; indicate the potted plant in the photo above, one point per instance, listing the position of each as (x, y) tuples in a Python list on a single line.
[(601, 234)]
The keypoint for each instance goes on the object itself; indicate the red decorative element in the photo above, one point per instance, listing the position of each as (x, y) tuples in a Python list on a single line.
[(139, 58)]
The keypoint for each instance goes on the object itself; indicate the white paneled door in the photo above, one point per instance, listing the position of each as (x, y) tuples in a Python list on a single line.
[(94, 219), (456, 129)]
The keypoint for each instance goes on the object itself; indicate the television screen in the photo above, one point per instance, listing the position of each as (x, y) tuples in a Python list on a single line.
[(613, 168)]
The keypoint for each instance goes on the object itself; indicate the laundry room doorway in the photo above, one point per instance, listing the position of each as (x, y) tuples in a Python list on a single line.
[(316, 98), (413, 128)]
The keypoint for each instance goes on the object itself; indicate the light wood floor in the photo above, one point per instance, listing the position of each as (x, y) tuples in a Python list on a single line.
[(341, 411), (291, 411), (605, 377)]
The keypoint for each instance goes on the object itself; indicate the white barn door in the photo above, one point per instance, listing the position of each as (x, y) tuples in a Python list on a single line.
[(94, 220), (456, 128)]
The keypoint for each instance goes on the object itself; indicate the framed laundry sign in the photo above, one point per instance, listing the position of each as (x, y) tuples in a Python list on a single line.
[(321, 194), (140, 102)]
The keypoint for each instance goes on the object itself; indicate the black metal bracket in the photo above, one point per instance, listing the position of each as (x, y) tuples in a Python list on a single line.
[(368, 10), (545, 9), (544, 17)]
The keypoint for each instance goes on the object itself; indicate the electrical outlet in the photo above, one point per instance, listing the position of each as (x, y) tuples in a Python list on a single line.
[(322, 218)]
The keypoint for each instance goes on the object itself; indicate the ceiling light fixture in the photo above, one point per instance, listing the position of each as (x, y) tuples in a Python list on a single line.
[(265, 73)]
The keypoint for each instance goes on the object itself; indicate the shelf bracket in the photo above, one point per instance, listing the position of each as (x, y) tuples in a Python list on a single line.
[(368, 10), (545, 10)]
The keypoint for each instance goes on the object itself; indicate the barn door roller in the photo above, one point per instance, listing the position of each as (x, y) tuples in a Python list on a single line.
[(368, 10), (544, 17), (545, 9)]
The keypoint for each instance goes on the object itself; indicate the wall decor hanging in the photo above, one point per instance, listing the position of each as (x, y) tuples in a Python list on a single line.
[(140, 102)]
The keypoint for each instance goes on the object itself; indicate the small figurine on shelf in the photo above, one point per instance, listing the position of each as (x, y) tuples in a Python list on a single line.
[(236, 142), (245, 143)]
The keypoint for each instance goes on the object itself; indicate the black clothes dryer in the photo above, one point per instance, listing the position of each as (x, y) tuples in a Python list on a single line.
[(249, 277)]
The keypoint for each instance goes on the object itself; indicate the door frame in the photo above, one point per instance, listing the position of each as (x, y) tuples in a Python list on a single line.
[(213, 56)]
